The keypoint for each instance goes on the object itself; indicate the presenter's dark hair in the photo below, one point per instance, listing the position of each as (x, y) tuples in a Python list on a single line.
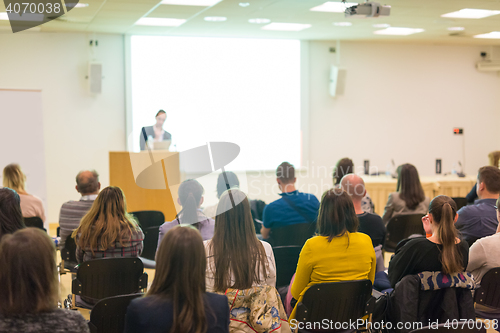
[(285, 172), (409, 186), (336, 214), (343, 167), (11, 217), (160, 112), (232, 182), (490, 176), (190, 193), (28, 276), (180, 278), (443, 210)]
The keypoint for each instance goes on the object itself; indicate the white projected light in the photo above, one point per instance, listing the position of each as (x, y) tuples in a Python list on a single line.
[(220, 89), (160, 22), (470, 13), (333, 7)]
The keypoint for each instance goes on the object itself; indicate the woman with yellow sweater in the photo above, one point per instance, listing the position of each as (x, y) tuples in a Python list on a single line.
[(339, 252)]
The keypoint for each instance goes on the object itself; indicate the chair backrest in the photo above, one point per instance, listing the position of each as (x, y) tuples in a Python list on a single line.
[(150, 242), (101, 278), (401, 227), (337, 301), (68, 253), (489, 292), (286, 258), (108, 315), (460, 202), (294, 234), (149, 218), (34, 222), (468, 327)]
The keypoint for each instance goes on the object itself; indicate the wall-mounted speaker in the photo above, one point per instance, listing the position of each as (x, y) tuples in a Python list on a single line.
[(334, 74), (95, 77)]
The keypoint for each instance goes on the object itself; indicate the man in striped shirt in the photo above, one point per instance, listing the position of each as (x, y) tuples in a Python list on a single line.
[(87, 184)]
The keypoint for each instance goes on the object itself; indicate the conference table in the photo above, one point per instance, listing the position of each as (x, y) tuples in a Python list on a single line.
[(379, 187)]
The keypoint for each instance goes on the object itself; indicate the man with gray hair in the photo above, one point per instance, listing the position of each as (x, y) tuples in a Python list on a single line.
[(370, 224), (87, 184)]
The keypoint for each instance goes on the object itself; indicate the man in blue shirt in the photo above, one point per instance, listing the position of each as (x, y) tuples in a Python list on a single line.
[(293, 207), (480, 219)]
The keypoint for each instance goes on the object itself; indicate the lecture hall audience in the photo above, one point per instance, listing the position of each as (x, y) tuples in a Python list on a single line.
[(88, 185), (31, 206), (177, 300), (293, 207), (494, 158), (339, 252), (107, 230), (235, 257), (30, 286), (11, 218), (343, 167), (409, 197), (190, 194), (222, 186), (443, 251), (480, 219)]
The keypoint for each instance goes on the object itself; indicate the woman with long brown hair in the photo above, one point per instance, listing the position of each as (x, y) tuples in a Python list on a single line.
[(31, 206), (338, 252), (11, 218), (30, 286), (443, 251), (409, 197), (107, 230), (177, 301), (235, 257)]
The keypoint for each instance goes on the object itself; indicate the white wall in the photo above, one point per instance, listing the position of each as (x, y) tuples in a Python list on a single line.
[(79, 128)]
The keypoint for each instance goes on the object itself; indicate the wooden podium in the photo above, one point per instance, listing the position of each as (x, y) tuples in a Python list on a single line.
[(124, 167)]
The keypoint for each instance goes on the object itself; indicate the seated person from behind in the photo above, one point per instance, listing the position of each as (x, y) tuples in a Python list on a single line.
[(180, 276), (107, 230), (11, 218), (87, 184), (443, 251), (222, 186), (343, 167), (409, 198), (370, 224), (190, 198), (339, 252), (480, 219), (484, 254), (294, 207)]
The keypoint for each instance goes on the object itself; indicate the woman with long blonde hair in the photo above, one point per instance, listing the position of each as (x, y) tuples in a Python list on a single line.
[(107, 230)]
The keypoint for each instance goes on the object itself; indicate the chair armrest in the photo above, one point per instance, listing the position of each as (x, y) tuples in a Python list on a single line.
[(143, 281), (302, 313), (370, 305)]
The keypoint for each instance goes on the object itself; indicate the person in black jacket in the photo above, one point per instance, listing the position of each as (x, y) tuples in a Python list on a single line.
[(177, 300), (443, 251), (156, 131)]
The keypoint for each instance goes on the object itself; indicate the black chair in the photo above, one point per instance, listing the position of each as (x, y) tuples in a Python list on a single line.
[(101, 278), (149, 218), (150, 242), (337, 302), (68, 256), (460, 202), (34, 222), (108, 315), (468, 327), (286, 258), (294, 234), (401, 227), (489, 294)]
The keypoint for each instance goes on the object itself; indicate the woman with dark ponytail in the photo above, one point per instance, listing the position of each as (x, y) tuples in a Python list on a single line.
[(190, 198), (443, 251)]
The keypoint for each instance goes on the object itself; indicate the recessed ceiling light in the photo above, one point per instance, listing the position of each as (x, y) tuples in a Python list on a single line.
[(489, 35), (244, 4), (381, 25), (456, 28), (342, 24), (286, 26), (78, 5), (160, 22), (215, 18), (259, 20), (205, 3), (28, 17), (472, 13), (4, 16), (333, 7), (398, 31)]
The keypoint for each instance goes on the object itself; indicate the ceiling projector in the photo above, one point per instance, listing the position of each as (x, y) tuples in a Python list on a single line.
[(368, 9)]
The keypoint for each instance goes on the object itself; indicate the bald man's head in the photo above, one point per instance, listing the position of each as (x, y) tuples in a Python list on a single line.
[(354, 186), (87, 182)]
